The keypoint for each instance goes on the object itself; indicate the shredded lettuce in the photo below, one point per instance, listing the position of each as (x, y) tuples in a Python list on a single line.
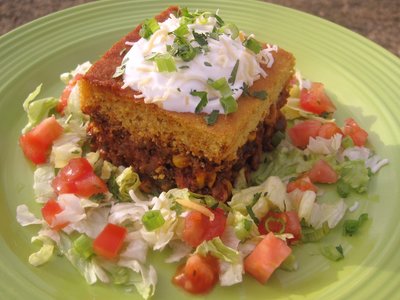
[(25, 217), (218, 249), (44, 254), (127, 180), (37, 109), (355, 174), (42, 178)]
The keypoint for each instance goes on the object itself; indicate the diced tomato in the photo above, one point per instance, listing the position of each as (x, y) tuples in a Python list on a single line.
[(78, 177), (199, 228), (315, 100), (300, 133), (355, 132), (36, 143), (302, 183), (328, 130), (281, 222), (49, 212), (199, 275), (216, 227), (322, 172), (77, 168), (110, 241), (66, 93), (293, 225), (266, 257), (90, 186), (195, 228)]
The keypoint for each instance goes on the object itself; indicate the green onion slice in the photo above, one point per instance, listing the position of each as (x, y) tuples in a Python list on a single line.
[(152, 220), (165, 63), (212, 118), (275, 220), (234, 30), (220, 85), (83, 245), (203, 100), (232, 78), (182, 30), (262, 95), (253, 45), (149, 26), (333, 253), (350, 227), (229, 104)]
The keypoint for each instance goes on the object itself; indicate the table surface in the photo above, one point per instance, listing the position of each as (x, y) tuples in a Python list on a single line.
[(377, 20)]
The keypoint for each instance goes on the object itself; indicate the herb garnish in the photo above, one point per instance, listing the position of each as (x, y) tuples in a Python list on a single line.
[(206, 63), (253, 45), (232, 78), (149, 26), (203, 100), (200, 38), (120, 70), (262, 95), (211, 119)]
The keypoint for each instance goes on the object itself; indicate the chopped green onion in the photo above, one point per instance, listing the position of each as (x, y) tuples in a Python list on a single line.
[(232, 28), (347, 142), (152, 220), (229, 104), (249, 208), (220, 85), (214, 34), (232, 78), (220, 22), (149, 26), (165, 63), (83, 245), (152, 56), (183, 49), (333, 253), (310, 235), (350, 227), (276, 220), (182, 30), (200, 38), (203, 100), (184, 67), (212, 118), (343, 188), (253, 45), (262, 95), (206, 63)]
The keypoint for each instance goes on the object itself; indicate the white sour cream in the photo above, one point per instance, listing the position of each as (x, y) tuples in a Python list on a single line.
[(171, 90)]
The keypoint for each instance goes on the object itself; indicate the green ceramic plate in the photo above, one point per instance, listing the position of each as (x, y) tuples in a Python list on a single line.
[(362, 77)]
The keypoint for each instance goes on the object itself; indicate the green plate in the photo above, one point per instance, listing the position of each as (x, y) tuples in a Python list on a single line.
[(362, 78)]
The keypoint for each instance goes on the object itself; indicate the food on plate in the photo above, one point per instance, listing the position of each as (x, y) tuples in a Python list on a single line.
[(96, 209), (153, 120)]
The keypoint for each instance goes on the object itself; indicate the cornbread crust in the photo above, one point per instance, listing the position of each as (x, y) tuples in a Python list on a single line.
[(102, 93), (170, 149)]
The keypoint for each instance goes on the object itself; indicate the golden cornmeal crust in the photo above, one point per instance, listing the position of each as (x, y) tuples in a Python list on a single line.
[(219, 142), (171, 149)]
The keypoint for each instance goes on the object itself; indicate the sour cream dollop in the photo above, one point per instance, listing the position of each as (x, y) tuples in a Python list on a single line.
[(172, 90)]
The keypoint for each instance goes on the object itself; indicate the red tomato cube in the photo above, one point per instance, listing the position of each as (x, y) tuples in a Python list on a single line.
[(110, 241)]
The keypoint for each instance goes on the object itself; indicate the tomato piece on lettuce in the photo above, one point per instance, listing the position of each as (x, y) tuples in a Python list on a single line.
[(66, 93), (49, 211), (281, 222), (36, 143), (78, 177), (266, 257), (300, 133), (110, 241), (302, 183), (315, 100), (328, 130), (199, 228), (322, 172), (355, 132), (198, 275)]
